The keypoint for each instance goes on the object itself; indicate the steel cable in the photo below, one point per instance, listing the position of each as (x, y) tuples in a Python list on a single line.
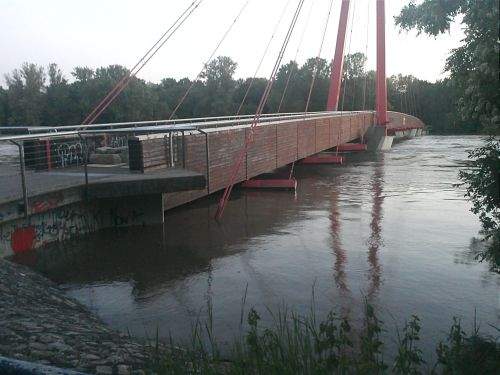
[(249, 137), (262, 58), (348, 54), (295, 58), (122, 84), (315, 72), (224, 36)]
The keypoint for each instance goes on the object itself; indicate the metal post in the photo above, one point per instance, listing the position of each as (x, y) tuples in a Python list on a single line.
[(85, 162), (207, 155), (23, 177), (48, 155), (338, 61), (381, 79), (171, 143), (183, 150)]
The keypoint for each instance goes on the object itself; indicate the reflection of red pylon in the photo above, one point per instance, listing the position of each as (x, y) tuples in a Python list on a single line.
[(340, 255), (375, 240)]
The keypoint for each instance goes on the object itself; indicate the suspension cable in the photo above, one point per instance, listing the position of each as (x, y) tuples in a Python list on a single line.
[(295, 57), (263, 100), (224, 36), (415, 98), (262, 57), (348, 53), (123, 83), (315, 72), (366, 52)]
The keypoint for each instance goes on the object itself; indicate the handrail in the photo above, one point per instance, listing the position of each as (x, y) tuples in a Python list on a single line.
[(158, 122), (159, 126)]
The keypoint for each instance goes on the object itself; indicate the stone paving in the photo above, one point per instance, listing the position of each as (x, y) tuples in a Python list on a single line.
[(38, 323)]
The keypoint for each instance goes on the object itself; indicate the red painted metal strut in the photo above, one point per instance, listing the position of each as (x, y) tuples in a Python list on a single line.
[(338, 60), (274, 183), (325, 159), (381, 79), (352, 147)]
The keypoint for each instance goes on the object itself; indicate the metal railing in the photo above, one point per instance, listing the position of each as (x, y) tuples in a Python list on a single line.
[(201, 122), (34, 164)]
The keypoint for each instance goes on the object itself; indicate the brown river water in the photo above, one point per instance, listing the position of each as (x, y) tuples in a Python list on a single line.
[(389, 228)]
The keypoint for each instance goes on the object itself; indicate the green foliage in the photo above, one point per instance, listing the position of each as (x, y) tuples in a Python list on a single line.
[(295, 344), (473, 66), (482, 184), (467, 354), (409, 358), (38, 96), (25, 95), (371, 361)]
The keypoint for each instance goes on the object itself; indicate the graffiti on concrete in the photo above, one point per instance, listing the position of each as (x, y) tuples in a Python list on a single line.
[(62, 223), (42, 205)]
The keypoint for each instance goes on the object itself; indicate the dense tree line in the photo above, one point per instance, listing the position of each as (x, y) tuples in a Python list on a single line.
[(35, 95)]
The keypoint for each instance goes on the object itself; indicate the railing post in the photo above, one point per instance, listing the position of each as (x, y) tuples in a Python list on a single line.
[(183, 150), (23, 177), (207, 155), (85, 162), (171, 143)]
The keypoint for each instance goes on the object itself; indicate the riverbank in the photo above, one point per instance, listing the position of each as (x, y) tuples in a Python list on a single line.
[(38, 323)]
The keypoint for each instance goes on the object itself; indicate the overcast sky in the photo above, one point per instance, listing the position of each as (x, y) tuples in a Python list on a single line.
[(97, 33)]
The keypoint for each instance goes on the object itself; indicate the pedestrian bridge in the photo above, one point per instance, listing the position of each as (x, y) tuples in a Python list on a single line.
[(62, 182)]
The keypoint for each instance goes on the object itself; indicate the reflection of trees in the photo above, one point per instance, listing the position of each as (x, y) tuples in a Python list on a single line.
[(482, 251), (375, 240)]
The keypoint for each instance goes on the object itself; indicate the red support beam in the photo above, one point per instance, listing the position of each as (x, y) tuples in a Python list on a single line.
[(381, 79), (48, 155), (352, 147), (338, 60), (274, 183), (325, 159)]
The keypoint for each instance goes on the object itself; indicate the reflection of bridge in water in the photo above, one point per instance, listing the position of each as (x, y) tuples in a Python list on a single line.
[(191, 244)]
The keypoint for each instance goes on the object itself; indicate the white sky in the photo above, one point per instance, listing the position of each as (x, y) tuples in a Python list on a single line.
[(101, 32)]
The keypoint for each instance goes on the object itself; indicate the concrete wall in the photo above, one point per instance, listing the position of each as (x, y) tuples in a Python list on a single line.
[(64, 221)]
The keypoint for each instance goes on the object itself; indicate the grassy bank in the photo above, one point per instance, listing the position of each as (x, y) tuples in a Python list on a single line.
[(296, 344)]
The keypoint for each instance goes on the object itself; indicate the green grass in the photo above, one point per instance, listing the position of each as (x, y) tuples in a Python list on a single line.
[(296, 344)]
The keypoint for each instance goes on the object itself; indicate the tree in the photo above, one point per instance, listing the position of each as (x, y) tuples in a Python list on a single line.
[(3, 106), (218, 78), (354, 65), (57, 106), (218, 93), (473, 66), (26, 88)]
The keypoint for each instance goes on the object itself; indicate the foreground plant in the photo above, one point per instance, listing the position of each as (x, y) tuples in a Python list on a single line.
[(296, 344)]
